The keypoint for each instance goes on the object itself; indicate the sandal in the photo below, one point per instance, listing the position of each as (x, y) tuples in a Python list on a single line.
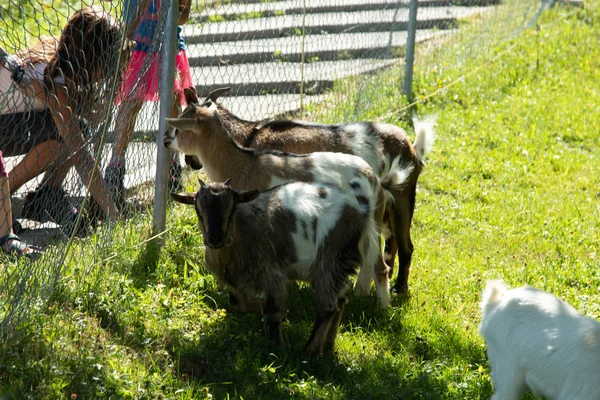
[(11, 245)]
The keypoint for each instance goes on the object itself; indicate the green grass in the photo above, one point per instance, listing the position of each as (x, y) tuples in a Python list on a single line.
[(511, 191), (23, 22)]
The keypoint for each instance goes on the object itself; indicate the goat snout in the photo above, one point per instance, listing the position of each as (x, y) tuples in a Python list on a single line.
[(214, 243), (216, 239), (168, 140)]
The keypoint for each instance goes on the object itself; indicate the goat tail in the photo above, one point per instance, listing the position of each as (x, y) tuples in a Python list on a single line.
[(395, 179), (424, 135), (372, 266), (493, 292)]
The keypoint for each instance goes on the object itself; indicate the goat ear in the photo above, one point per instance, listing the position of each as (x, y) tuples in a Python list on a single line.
[(185, 198), (245, 197), (227, 181), (215, 94), (191, 96), (193, 161), (202, 184), (183, 124)]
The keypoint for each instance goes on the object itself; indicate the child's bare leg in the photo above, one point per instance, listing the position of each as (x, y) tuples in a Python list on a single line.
[(114, 175), (9, 242), (38, 160), (5, 208), (175, 168), (125, 124), (176, 109)]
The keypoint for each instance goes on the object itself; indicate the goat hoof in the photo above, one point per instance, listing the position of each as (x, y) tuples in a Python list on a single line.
[(312, 350), (400, 289)]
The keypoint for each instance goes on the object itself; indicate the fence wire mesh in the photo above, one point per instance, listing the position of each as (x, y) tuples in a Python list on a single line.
[(84, 117)]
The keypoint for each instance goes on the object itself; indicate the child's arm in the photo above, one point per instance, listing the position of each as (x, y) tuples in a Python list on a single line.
[(184, 11), (83, 160), (135, 18)]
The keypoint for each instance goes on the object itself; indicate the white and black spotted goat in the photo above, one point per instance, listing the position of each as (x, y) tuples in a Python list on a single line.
[(255, 243), (377, 143), (200, 132)]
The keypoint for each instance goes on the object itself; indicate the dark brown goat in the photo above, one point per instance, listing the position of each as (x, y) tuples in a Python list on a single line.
[(256, 244)]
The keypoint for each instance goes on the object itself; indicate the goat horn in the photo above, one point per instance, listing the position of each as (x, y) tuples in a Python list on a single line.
[(215, 94)]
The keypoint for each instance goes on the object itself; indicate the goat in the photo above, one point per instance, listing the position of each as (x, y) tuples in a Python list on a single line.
[(256, 242), (538, 342), (376, 143), (200, 132)]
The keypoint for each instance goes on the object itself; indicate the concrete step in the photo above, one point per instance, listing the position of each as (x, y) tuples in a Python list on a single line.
[(265, 90), (248, 10), (291, 25), (284, 78), (316, 48), (253, 108)]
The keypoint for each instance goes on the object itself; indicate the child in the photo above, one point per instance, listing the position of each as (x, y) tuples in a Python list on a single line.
[(44, 114), (141, 83)]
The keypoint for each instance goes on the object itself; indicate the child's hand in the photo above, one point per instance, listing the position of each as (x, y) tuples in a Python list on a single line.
[(184, 11)]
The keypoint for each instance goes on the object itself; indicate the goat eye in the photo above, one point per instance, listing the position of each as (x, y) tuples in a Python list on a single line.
[(207, 103)]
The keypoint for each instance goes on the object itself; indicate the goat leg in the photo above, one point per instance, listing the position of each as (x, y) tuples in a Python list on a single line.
[(334, 326), (327, 311), (390, 251), (240, 304), (274, 318), (401, 221)]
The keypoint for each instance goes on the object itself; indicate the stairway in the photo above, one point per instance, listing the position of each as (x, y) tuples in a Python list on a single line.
[(256, 47)]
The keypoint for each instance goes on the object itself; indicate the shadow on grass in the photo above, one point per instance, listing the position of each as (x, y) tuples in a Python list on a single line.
[(86, 379), (144, 267), (235, 358)]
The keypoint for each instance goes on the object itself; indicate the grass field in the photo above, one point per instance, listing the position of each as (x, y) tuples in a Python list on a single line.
[(511, 191)]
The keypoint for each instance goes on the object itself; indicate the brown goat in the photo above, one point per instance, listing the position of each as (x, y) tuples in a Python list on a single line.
[(200, 131), (378, 144)]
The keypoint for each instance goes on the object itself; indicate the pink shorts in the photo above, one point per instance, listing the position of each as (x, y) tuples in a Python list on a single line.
[(142, 77)]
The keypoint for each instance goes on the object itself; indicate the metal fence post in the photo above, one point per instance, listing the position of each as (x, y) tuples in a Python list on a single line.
[(167, 78), (410, 48)]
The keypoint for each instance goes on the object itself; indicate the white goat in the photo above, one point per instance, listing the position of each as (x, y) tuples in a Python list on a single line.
[(538, 342), (200, 132), (299, 231)]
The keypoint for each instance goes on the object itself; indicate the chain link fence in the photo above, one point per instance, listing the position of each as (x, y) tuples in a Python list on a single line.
[(79, 110)]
